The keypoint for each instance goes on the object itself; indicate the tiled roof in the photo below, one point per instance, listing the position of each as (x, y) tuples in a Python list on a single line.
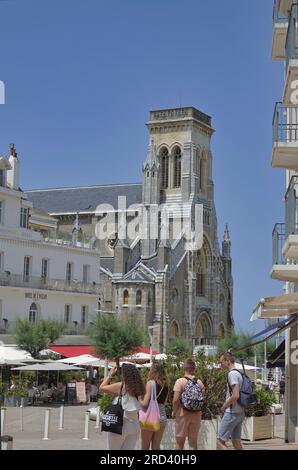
[(84, 199)]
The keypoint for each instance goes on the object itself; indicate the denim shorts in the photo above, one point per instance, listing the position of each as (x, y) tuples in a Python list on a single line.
[(231, 426)]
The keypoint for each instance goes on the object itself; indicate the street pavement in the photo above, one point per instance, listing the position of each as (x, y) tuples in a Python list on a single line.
[(71, 437)]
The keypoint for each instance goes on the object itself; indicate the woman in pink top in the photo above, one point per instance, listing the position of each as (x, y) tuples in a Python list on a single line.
[(187, 423)]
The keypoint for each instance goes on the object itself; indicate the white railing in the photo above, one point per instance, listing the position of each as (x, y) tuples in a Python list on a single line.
[(35, 282)]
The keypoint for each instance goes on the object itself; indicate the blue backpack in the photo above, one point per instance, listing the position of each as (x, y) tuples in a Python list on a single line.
[(247, 396)]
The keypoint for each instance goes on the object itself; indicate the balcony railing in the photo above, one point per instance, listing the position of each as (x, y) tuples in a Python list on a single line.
[(285, 124), (278, 240), (291, 41), (278, 17), (32, 282), (291, 201)]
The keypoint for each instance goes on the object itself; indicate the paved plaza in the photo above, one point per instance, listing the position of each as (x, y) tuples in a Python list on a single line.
[(71, 437)]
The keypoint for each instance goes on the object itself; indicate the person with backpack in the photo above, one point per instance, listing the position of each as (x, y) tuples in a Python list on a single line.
[(187, 405), (231, 423)]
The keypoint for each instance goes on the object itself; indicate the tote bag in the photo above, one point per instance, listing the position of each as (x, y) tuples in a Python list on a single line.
[(150, 419), (112, 418)]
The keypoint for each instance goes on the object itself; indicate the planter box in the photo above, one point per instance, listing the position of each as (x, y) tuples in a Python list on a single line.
[(255, 428), (207, 436)]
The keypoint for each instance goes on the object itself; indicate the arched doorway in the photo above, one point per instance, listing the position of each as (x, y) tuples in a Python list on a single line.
[(203, 330)]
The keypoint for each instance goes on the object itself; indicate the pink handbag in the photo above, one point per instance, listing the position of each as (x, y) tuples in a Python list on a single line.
[(150, 419)]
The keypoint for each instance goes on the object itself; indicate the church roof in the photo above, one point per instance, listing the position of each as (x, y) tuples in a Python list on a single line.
[(139, 274), (107, 263), (84, 199)]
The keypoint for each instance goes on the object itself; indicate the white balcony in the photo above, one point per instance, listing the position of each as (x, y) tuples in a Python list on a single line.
[(284, 267), (285, 138), (290, 248), (285, 272)]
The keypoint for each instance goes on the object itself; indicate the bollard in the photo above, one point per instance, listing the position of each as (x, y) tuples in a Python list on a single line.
[(97, 418), (61, 418), (6, 443), (86, 435), (3, 415), (21, 417), (46, 425)]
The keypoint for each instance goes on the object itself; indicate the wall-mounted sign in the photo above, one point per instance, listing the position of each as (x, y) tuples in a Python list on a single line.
[(35, 296)]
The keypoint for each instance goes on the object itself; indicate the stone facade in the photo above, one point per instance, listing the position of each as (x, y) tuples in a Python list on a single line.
[(148, 268)]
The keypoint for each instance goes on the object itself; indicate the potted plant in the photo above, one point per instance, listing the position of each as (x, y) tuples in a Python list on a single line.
[(258, 423)]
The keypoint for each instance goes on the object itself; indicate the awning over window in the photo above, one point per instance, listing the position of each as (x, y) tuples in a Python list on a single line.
[(279, 324), (70, 351), (286, 324), (277, 358)]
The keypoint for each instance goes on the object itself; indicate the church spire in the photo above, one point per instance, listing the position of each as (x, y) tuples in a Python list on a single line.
[(226, 244), (151, 156)]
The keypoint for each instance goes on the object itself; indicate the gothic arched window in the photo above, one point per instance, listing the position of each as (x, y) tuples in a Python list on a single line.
[(139, 297), (33, 312), (201, 274), (164, 158), (125, 297), (177, 167), (203, 173)]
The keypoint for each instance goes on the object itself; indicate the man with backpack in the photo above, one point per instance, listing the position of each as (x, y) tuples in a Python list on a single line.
[(236, 400), (187, 404)]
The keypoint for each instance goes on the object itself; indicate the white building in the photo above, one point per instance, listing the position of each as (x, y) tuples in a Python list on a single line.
[(41, 276), (285, 235)]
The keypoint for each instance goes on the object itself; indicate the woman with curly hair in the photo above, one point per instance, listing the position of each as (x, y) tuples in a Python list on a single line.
[(131, 388), (157, 377)]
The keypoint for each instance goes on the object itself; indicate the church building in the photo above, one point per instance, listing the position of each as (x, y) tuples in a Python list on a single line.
[(150, 267)]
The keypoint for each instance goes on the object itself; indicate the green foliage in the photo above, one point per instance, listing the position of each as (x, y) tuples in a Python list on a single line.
[(236, 341), (34, 337), (116, 337), (262, 408), (105, 401), (178, 345), (69, 375)]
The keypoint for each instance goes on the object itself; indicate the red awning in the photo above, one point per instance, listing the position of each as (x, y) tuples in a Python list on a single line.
[(71, 351)]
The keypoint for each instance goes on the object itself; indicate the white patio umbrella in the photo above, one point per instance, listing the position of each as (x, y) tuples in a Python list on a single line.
[(48, 367), (87, 360), (78, 359), (14, 354)]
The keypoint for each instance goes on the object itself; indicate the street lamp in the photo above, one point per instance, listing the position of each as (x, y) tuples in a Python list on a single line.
[(151, 339)]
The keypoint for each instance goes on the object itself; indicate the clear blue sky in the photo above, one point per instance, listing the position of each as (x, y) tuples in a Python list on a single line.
[(82, 75)]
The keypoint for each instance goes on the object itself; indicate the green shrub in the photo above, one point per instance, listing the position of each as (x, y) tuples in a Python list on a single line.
[(105, 401), (262, 408)]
